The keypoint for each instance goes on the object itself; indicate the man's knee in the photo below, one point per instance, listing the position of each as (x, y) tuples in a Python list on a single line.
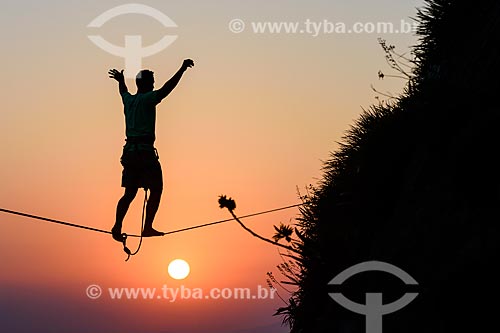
[(130, 193), (155, 193)]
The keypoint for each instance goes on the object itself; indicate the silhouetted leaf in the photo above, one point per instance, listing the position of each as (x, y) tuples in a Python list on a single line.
[(224, 202)]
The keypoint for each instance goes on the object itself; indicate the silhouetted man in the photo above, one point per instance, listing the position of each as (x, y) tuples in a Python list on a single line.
[(141, 165)]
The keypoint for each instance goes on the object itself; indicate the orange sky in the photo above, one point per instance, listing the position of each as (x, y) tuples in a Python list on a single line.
[(253, 120)]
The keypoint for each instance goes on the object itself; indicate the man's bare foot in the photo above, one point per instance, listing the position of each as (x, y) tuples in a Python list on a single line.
[(116, 232), (150, 232)]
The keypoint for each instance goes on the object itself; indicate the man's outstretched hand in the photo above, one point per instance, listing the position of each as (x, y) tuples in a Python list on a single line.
[(188, 63), (118, 76), (115, 74)]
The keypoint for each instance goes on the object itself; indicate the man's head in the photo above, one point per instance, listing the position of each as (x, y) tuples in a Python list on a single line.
[(145, 81)]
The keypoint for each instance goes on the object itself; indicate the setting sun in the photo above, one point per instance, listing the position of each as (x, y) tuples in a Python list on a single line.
[(178, 269)]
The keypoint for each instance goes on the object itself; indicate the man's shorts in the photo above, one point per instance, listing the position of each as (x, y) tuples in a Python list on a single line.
[(141, 168)]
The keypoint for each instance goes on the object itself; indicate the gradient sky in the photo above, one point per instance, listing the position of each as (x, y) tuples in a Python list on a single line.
[(253, 119)]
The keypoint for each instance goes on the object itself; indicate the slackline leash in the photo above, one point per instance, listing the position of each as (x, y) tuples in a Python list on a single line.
[(124, 235)]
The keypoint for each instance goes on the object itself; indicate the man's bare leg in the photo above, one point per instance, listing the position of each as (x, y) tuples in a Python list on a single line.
[(121, 211), (151, 209)]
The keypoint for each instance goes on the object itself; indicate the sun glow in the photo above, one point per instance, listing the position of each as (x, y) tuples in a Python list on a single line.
[(178, 269)]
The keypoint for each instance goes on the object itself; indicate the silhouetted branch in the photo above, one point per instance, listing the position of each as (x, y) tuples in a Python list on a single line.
[(230, 204), (273, 280), (382, 94), (389, 57)]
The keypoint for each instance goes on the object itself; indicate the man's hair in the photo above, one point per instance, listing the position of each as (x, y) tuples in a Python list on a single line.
[(143, 77)]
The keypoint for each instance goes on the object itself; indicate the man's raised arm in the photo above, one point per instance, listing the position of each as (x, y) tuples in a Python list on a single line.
[(118, 76), (172, 83)]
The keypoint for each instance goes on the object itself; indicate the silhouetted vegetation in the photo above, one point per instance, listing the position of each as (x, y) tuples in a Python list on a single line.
[(415, 183)]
